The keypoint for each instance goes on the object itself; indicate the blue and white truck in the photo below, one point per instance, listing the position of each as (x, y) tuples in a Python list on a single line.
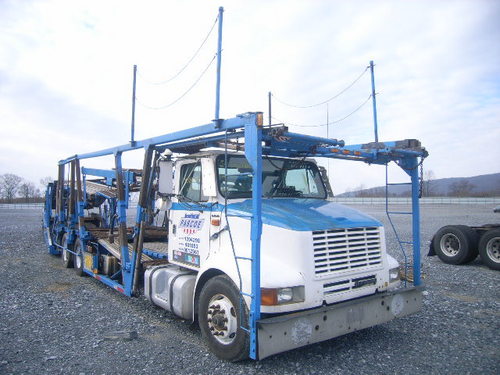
[(234, 226)]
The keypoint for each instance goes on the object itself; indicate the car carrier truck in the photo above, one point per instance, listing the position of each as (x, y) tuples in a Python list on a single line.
[(234, 226)]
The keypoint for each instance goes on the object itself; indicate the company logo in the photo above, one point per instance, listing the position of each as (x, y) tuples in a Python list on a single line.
[(191, 223)]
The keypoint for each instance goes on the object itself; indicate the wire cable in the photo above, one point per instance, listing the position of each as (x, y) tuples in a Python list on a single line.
[(185, 65), (183, 95), (329, 123), (325, 101)]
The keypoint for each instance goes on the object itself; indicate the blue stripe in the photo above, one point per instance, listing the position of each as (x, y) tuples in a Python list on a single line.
[(297, 214)]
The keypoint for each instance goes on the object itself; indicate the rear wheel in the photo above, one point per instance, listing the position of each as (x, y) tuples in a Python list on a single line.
[(78, 258), (220, 319), (66, 256), (455, 244), (489, 248)]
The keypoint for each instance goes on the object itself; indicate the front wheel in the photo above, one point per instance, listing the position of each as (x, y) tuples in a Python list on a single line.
[(221, 316), (489, 249)]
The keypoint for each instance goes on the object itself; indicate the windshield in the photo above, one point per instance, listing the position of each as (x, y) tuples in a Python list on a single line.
[(280, 178)]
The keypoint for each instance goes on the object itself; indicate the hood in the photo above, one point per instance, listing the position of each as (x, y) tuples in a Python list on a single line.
[(305, 214)]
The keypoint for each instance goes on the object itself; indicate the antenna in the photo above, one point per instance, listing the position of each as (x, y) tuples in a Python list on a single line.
[(132, 142), (217, 88), (374, 100)]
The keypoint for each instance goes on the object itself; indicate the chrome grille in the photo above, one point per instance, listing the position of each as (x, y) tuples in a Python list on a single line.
[(339, 250)]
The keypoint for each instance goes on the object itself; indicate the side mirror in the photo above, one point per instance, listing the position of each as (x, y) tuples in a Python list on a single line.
[(166, 177), (208, 177)]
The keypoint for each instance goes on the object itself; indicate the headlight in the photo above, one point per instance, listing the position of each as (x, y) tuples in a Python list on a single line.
[(393, 275), (281, 296)]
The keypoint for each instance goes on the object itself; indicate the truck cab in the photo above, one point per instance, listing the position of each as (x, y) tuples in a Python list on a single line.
[(314, 252)]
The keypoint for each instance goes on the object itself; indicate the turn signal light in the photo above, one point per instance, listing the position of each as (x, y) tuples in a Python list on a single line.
[(268, 297)]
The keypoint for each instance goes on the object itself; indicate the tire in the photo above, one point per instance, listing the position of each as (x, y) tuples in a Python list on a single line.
[(455, 244), (489, 248), (66, 256), (220, 320), (78, 258)]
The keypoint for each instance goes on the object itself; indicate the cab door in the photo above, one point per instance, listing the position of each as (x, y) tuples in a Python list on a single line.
[(189, 237)]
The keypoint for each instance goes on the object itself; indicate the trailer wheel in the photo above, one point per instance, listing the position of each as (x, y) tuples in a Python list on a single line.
[(455, 244), (220, 319), (67, 257), (489, 248), (78, 258)]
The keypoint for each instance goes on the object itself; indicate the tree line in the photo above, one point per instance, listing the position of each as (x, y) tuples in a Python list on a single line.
[(15, 189), (428, 188)]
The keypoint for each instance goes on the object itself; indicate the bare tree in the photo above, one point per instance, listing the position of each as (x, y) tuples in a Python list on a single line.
[(45, 181), (428, 186), (461, 188), (9, 185), (27, 190)]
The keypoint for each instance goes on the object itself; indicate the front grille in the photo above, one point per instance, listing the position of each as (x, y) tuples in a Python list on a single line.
[(339, 250), (349, 284)]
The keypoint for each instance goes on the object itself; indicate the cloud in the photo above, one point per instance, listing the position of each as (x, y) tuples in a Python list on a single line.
[(66, 72)]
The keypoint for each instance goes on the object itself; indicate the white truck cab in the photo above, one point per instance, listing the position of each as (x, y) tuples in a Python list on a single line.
[(314, 252)]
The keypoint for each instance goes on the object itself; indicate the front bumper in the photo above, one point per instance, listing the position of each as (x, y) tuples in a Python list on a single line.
[(291, 331)]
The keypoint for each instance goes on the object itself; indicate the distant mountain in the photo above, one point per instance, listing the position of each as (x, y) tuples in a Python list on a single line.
[(483, 185)]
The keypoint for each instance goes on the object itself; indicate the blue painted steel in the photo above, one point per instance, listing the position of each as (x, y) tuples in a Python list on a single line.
[(127, 263), (154, 254), (415, 223), (48, 221), (374, 101), (219, 60), (108, 281), (305, 214), (253, 153), (229, 124)]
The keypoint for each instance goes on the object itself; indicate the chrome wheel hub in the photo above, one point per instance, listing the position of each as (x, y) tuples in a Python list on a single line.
[(493, 249), (222, 320), (450, 244)]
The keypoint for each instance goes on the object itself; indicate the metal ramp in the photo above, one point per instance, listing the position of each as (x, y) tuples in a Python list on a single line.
[(152, 251)]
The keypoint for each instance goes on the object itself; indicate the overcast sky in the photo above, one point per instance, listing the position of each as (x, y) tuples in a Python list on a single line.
[(66, 76)]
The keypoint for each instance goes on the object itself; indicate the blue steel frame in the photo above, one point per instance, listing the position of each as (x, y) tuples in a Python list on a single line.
[(259, 140)]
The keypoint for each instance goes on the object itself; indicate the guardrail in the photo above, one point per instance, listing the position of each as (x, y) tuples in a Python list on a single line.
[(21, 206), (353, 200), (426, 200)]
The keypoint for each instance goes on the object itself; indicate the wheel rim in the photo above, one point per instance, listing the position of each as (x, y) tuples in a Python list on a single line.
[(222, 320), (65, 254), (493, 249), (78, 260), (450, 244), (78, 255)]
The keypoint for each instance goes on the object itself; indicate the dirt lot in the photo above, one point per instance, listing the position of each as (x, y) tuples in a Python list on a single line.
[(52, 321)]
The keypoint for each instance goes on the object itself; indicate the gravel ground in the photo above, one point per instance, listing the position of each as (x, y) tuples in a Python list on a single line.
[(52, 321)]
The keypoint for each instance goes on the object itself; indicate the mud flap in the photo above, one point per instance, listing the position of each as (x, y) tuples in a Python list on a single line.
[(291, 331)]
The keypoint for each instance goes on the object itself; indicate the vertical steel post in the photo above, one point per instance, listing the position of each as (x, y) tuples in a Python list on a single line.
[(219, 50), (374, 101), (253, 153), (147, 170), (132, 130), (60, 195), (269, 107), (415, 222), (127, 271)]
